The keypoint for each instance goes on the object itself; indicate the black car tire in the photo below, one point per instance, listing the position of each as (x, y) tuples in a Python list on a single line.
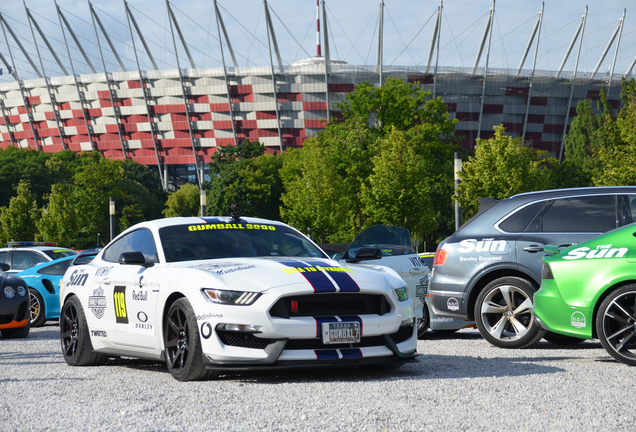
[(423, 323), (616, 324), (77, 348), (17, 333), (562, 340), (182, 342), (503, 313), (37, 308)]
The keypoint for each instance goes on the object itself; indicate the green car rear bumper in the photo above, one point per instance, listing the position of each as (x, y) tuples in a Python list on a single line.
[(554, 315)]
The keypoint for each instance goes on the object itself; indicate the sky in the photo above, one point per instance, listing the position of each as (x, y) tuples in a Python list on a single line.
[(408, 28)]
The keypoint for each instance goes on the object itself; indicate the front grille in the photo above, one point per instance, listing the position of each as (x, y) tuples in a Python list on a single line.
[(331, 304), (243, 340)]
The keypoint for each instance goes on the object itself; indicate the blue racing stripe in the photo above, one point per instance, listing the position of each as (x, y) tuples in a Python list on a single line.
[(318, 280), (351, 352), (344, 281), (326, 354)]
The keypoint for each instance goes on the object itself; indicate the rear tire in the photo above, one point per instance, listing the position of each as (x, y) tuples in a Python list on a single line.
[(616, 324), (503, 313), (562, 340), (182, 342), (77, 348), (38, 310), (423, 323)]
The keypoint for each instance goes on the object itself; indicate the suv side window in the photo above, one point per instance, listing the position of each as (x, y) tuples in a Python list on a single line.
[(137, 241), (596, 213), (519, 221), (4, 257)]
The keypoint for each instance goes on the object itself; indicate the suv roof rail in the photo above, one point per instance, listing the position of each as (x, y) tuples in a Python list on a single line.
[(28, 243)]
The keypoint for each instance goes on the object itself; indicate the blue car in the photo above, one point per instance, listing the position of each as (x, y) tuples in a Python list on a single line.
[(43, 281)]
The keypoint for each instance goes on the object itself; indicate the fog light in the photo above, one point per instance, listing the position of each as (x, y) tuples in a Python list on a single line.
[(241, 328), (9, 292), (407, 322)]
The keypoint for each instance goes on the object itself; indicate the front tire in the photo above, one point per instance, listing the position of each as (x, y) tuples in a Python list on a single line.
[(616, 324), (76, 342), (503, 313), (182, 341), (37, 308), (423, 323)]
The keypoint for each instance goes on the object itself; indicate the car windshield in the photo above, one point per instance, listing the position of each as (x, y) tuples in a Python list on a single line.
[(232, 240), (59, 253), (391, 240)]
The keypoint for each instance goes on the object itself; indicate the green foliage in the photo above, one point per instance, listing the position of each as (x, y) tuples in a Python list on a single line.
[(184, 202), (60, 221), (245, 175), (397, 192), (618, 154), (18, 222), (501, 167)]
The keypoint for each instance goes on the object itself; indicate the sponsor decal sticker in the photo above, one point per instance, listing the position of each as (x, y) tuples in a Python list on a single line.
[(141, 316), (78, 278), (208, 316), (97, 303), (140, 295), (103, 271), (421, 289), (601, 251), (224, 226), (496, 247), (99, 333), (452, 304), (206, 330), (234, 270), (578, 320), (119, 297)]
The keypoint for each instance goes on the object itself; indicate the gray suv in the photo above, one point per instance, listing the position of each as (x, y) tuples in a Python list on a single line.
[(490, 268)]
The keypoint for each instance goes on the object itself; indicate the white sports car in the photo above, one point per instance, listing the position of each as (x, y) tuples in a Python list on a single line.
[(227, 294)]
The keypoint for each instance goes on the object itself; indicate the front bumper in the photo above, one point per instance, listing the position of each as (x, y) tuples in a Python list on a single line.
[(297, 342), (14, 313), (554, 315)]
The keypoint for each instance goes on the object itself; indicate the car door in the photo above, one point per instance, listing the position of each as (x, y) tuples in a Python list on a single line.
[(564, 221), (131, 291)]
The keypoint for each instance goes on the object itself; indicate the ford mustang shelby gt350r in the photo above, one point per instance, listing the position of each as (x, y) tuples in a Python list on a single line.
[(589, 291), (228, 294)]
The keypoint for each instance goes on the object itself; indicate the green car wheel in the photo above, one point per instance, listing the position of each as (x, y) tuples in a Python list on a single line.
[(616, 324)]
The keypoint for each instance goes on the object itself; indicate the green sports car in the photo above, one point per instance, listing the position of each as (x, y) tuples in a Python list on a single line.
[(588, 290)]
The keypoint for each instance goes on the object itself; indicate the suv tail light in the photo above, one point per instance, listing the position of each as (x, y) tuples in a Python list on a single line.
[(440, 257)]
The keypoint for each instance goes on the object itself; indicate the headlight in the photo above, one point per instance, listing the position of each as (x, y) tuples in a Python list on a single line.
[(401, 294), (9, 292), (242, 298), (21, 291)]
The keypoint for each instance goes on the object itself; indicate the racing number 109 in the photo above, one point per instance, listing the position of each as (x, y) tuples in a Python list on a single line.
[(119, 298)]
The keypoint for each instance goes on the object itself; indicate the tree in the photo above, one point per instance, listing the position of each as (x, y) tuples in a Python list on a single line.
[(502, 166), (397, 192), (618, 155), (60, 221), (18, 222), (184, 202)]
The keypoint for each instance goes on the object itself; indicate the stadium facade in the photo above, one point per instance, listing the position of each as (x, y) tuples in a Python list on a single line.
[(177, 118)]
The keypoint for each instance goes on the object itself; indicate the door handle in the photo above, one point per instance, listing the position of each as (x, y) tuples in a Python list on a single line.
[(415, 271), (533, 248)]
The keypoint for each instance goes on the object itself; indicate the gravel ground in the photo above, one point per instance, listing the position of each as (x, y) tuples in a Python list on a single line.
[(460, 383)]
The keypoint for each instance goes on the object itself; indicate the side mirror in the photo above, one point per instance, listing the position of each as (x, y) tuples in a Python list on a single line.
[(366, 253), (132, 258), (5, 267)]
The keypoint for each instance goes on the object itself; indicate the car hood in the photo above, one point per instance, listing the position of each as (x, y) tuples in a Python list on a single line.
[(319, 275)]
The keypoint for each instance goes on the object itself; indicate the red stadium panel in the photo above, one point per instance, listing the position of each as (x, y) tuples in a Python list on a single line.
[(315, 124), (315, 106), (220, 107), (14, 119), (134, 84), (535, 118), (53, 148), (265, 115), (341, 88), (539, 101), (21, 110), (493, 108), (422, 79), (552, 128), (49, 115), (33, 100)]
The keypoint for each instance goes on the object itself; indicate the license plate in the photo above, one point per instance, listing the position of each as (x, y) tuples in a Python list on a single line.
[(422, 291), (340, 332)]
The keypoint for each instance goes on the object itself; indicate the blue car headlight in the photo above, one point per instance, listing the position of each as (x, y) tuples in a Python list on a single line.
[(227, 297), (401, 294)]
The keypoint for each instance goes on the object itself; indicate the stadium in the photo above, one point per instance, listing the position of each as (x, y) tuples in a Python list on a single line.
[(173, 119)]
